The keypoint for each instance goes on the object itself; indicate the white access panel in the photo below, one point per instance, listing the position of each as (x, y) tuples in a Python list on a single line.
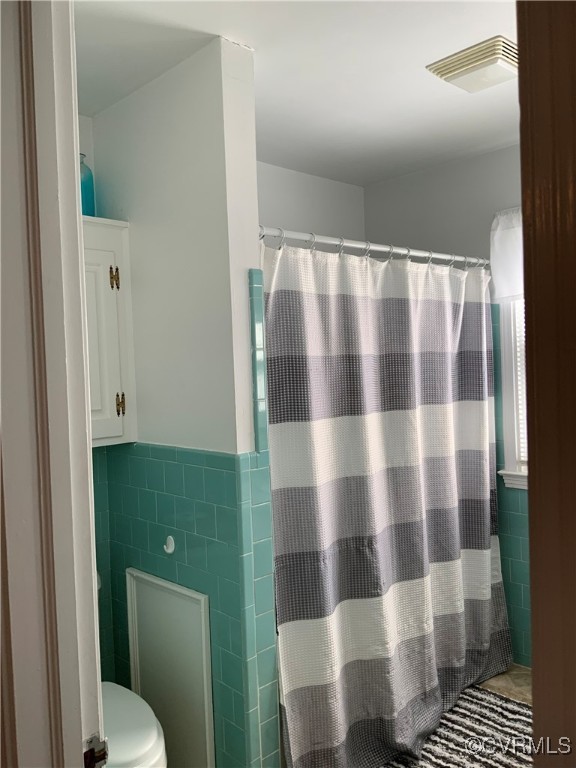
[(169, 634)]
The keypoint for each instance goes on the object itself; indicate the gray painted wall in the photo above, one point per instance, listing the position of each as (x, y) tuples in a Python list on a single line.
[(447, 208), (306, 203)]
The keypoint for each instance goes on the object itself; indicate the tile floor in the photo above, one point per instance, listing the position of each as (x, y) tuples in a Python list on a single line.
[(516, 684)]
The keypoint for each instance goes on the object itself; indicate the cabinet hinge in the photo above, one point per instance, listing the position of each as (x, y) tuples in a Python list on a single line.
[(95, 752), (114, 278), (120, 404)]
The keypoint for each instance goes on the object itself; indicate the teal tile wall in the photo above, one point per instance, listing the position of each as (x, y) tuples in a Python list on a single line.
[(263, 663), (513, 525), (217, 508), (102, 525)]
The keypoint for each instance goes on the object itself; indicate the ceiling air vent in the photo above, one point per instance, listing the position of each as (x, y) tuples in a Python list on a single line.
[(481, 66)]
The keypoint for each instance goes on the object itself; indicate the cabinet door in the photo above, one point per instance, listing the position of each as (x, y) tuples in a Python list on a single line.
[(100, 251)]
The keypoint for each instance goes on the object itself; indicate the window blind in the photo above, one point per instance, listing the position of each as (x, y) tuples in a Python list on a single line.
[(520, 381)]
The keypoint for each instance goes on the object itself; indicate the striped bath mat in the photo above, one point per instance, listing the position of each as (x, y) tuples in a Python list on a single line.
[(482, 729)]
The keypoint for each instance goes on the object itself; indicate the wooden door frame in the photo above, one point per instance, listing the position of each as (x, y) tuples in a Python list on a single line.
[(53, 680), (547, 58)]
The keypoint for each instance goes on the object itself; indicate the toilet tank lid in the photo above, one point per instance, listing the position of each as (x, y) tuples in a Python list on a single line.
[(132, 730)]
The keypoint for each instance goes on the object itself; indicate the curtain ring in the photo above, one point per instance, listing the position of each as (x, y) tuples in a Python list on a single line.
[(466, 262), (367, 249), (429, 257), (453, 260), (408, 255), (261, 233), (341, 246), (390, 253), (282, 239), (313, 243)]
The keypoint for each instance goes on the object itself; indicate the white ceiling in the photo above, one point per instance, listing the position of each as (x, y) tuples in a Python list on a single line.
[(341, 87)]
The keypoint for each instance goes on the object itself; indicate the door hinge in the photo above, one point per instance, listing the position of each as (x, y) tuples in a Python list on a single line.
[(114, 278), (120, 404), (95, 752)]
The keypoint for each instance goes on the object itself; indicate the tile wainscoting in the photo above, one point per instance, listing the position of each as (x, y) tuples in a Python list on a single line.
[(217, 508)]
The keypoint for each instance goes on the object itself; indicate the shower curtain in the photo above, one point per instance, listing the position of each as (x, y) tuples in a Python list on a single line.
[(389, 594)]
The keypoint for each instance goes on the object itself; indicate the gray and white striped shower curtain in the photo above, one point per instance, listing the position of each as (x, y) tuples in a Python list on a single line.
[(388, 582)]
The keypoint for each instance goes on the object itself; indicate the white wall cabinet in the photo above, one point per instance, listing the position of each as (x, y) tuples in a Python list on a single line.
[(110, 338)]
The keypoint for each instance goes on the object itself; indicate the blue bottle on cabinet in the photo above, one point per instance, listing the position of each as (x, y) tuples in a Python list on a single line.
[(87, 188)]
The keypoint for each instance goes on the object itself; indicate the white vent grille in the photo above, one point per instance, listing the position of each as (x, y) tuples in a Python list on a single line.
[(483, 65)]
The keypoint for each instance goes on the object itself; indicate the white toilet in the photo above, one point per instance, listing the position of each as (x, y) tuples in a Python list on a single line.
[(135, 737)]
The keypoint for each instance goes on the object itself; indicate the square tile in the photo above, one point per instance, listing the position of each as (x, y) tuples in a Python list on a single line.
[(122, 529), (235, 741), (263, 558), (205, 517), (255, 276), (227, 525), (245, 529), (174, 478), (223, 700), (243, 486), (272, 761), (260, 486), (154, 475), (184, 514), (231, 671), (235, 637), (215, 488), (196, 550), (229, 598), (220, 629), (252, 728), (519, 572), (165, 512), (147, 504), (247, 579), (262, 522), (269, 735), (513, 593), (242, 462), (190, 456), (239, 713), (251, 683), (200, 581), (222, 560), (162, 567), (129, 500), (269, 701), (264, 594), (140, 534), (137, 468), (194, 482), (265, 631), (163, 452), (267, 666), (248, 623), (225, 461)]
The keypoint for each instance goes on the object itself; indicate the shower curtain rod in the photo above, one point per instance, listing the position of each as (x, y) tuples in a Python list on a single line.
[(310, 239)]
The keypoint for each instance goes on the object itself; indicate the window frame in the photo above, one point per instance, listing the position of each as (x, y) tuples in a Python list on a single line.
[(514, 474)]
